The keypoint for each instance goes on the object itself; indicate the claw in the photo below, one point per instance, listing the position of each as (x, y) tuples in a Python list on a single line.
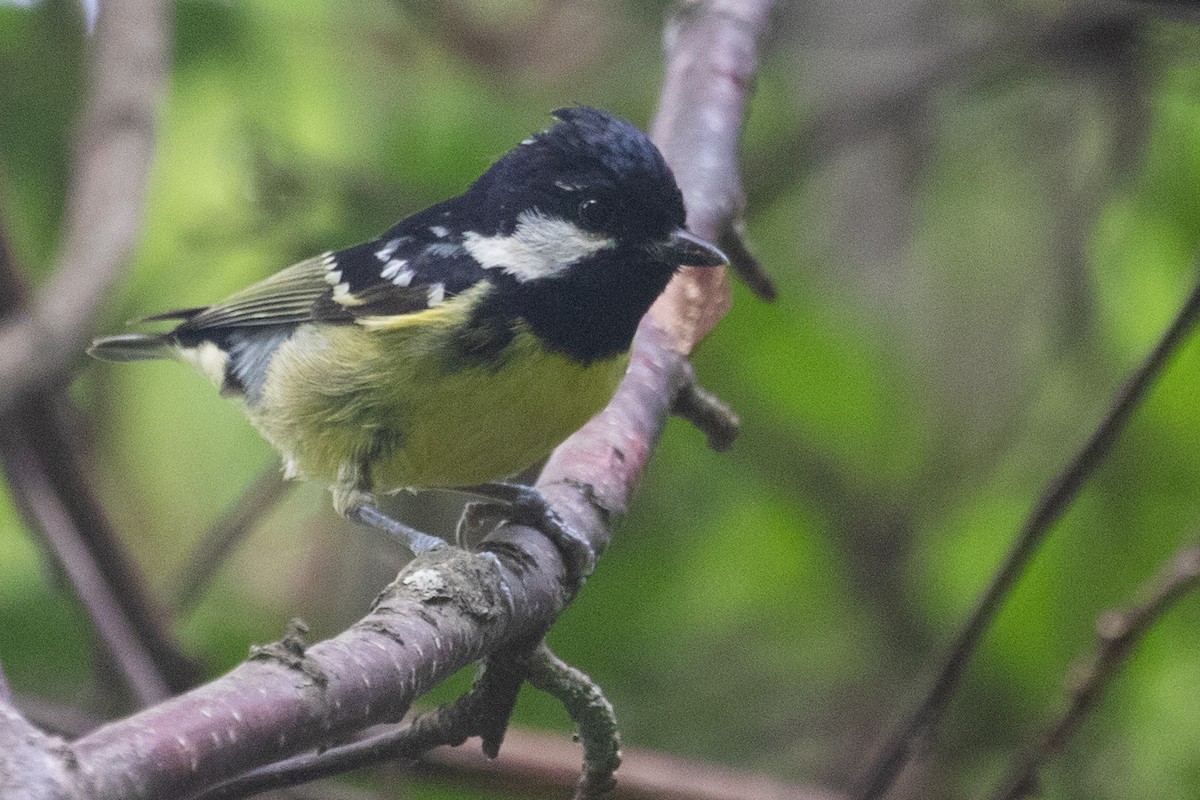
[(527, 506)]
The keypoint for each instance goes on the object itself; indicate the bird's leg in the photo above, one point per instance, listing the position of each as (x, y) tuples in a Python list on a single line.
[(353, 499), (525, 505)]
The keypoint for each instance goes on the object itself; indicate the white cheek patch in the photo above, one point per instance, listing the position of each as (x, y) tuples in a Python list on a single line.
[(540, 247)]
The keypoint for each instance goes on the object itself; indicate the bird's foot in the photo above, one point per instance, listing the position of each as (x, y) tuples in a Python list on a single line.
[(410, 537), (525, 505)]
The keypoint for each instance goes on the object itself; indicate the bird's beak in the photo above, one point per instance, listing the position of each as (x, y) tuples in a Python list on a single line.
[(684, 247)]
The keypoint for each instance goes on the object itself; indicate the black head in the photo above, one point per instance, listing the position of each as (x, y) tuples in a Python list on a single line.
[(582, 227), (601, 174)]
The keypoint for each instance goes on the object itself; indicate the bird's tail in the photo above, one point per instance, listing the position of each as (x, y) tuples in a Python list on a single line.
[(133, 347)]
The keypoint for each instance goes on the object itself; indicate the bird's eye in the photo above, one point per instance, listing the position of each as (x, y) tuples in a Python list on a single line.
[(594, 213)]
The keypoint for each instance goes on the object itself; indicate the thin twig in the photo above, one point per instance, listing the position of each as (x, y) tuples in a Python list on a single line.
[(202, 565), (732, 239), (1118, 633), (39, 501), (711, 415), (543, 764), (591, 712), (1055, 500), (41, 435)]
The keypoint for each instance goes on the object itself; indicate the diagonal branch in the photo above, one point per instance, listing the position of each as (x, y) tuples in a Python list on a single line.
[(1118, 634), (1056, 498), (114, 150)]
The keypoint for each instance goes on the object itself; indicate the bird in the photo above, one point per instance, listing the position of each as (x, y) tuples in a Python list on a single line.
[(465, 342)]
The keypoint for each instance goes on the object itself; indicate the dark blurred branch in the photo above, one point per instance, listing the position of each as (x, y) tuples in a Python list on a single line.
[(40, 503), (1118, 633), (45, 460), (203, 563), (1055, 500), (39, 344), (43, 453), (1101, 37), (538, 764)]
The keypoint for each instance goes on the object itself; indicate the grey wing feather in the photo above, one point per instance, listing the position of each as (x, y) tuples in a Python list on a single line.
[(287, 297)]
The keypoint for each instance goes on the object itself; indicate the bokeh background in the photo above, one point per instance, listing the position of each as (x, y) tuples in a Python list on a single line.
[(979, 216)]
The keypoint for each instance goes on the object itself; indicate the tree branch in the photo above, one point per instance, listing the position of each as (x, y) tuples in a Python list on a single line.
[(40, 503), (203, 563), (1055, 499), (1118, 633), (536, 763), (114, 150)]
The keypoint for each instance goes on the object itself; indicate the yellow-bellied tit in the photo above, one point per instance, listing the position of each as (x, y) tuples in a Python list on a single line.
[(463, 344)]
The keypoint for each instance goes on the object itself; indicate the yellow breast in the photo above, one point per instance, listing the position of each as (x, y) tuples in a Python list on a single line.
[(391, 393)]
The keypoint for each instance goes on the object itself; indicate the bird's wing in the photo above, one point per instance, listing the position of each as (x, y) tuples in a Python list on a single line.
[(394, 275)]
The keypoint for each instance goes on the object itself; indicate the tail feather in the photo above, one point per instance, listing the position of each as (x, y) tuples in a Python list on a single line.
[(133, 347)]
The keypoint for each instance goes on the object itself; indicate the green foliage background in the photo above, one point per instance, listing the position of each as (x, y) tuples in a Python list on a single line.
[(772, 607)]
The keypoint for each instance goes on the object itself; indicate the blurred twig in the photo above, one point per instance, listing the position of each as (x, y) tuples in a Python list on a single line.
[(1082, 35), (1118, 633), (552, 36), (40, 343), (535, 763), (712, 55), (39, 502), (202, 564), (45, 461), (1055, 499)]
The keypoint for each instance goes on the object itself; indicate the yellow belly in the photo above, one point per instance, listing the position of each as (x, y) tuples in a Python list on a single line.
[(339, 396)]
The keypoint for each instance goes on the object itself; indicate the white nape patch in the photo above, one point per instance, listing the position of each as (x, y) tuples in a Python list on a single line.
[(385, 253), (342, 296), (439, 231), (437, 293), (539, 247), (208, 359), (392, 267), (404, 277)]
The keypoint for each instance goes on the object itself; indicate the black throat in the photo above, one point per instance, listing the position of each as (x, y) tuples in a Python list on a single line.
[(589, 313)]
